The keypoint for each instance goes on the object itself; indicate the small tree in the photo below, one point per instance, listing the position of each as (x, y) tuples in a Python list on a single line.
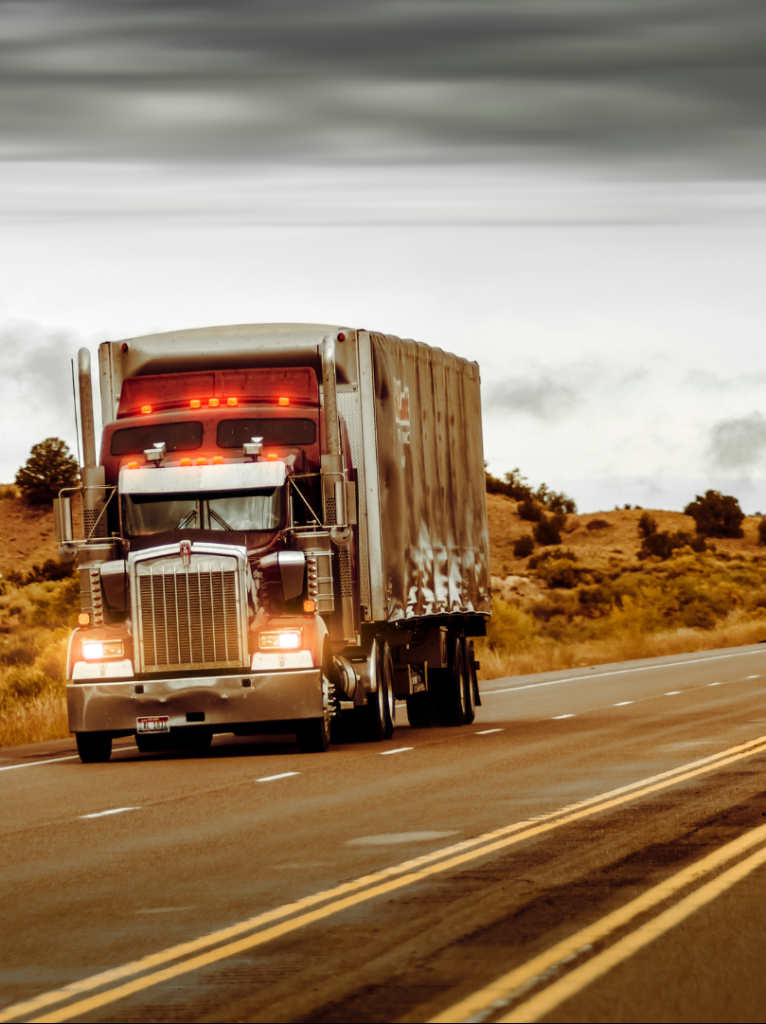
[(548, 529), (49, 468), (716, 515), (647, 525)]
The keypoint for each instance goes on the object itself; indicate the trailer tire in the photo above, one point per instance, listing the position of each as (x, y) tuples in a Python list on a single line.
[(94, 747), (420, 710), (380, 712), (469, 682), (452, 695)]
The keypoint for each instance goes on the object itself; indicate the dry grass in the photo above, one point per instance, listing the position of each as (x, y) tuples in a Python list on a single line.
[(500, 662), (34, 720)]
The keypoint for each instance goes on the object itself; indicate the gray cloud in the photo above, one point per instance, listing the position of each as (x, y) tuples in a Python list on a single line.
[(36, 377), (552, 393), (385, 79), (738, 443)]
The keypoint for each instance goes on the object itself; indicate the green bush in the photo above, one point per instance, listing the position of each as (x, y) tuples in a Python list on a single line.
[(716, 515), (548, 529), (647, 525), (524, 546), (530, 511), (663, 544), (49, 468)]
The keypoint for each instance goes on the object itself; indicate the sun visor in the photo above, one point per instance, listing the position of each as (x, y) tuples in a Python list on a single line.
[(239, 476)]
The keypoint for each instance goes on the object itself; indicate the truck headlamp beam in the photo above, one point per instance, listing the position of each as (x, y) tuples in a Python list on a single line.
[(98, 650), (284, 640)]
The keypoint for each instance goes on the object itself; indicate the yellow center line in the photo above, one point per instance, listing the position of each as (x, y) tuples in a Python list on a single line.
[(410, 871), (577, 980), (502, 989)]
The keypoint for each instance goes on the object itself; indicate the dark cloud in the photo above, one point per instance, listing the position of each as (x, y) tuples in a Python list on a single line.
[(551, 393), (385, 79), (738, 443)]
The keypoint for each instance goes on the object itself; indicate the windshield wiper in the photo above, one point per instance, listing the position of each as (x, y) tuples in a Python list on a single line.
[(190, 517), (214, 515)]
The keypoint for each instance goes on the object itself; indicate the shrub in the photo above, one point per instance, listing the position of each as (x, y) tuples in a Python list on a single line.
[(49, 468), (716, 515), (516, 486), (597, 524), (530, 511), (762, 532), (548, 529), (524, 546), (647, 525), (662, 545)]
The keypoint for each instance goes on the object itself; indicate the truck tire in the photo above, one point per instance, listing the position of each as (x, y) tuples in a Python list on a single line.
[(470, 683), (380, 712), (420, 710), (314, 735), (94, 747), (452, 691)]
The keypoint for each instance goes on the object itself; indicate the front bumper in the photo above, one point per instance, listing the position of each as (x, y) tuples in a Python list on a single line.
[(257, 697)]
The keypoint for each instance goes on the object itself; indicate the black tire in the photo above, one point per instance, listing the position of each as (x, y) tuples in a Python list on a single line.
[(314, 735), (94, 747), (149, 744), (452, 691), (380, 711), (469, 683), (420, 710)]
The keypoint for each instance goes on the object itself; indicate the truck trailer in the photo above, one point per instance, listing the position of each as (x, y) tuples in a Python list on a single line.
[(285, 532)]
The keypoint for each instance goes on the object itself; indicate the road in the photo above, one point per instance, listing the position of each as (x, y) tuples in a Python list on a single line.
[(592, 848)]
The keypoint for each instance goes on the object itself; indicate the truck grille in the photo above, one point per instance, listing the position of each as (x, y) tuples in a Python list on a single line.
[(189, 619)]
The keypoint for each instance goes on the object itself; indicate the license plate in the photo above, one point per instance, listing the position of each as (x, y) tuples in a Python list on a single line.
[(152, 725)]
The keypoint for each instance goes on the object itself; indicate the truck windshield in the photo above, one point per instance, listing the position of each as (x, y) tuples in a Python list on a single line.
[(145, 514)]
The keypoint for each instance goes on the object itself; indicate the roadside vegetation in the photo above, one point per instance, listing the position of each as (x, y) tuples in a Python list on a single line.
[(624, 584)]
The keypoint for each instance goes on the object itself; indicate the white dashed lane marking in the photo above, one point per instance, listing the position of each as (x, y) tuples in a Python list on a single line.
[(486, 732), (273, 778), (557, 718), (622, 703), (399, 750), (112, 810)]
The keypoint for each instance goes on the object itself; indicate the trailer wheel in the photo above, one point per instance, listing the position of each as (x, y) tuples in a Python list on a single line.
[(94, 747), (469, 683), (420, 710), (453, 685)]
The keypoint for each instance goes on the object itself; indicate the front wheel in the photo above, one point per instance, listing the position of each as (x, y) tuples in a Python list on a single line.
[(94, 747), (314, 735)]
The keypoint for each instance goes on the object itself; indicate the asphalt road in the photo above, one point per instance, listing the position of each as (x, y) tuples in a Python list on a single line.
[(592, 848)]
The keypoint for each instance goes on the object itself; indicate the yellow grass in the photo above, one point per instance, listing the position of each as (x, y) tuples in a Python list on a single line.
[(35, 720), (501, 662)]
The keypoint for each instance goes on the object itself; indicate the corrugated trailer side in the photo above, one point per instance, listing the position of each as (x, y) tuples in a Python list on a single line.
[(434, 552)]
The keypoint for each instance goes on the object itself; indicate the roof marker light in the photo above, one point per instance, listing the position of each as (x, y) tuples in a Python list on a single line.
[(272, 457), (201, 462), (231, 401), (186, 462), (195, 403), (284, 401), (213, 402), (218, 460), (146, 409), (132, 465), (341, 336)]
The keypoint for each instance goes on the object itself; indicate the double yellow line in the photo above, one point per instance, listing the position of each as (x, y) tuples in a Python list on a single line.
[(152, 970)]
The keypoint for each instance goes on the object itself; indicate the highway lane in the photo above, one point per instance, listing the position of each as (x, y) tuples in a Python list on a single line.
[(189, 846)]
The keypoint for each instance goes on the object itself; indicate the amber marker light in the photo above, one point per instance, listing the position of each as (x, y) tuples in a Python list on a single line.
[(271, 457), (146, 409), (309, 607), (218, 460), (186, 462), (201, 462), (195, 403), (213, 402), (284, 401), (132, 465), (84, 619), (231, 401)]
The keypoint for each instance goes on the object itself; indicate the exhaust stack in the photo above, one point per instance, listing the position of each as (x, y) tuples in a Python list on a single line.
[(93, 479)]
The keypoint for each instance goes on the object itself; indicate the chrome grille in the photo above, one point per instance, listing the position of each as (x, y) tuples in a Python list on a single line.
[(189, 618)]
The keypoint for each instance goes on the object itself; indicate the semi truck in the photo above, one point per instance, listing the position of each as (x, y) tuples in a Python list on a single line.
[(285, 531)]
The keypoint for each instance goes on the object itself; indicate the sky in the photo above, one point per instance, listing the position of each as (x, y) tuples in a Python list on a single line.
[(572, 193)]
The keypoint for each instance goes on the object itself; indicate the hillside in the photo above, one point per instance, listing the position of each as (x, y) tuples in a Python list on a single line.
[(26, 535)]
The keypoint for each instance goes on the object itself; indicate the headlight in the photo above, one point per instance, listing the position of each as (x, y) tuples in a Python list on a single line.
[(285, 640), (95, 651)]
